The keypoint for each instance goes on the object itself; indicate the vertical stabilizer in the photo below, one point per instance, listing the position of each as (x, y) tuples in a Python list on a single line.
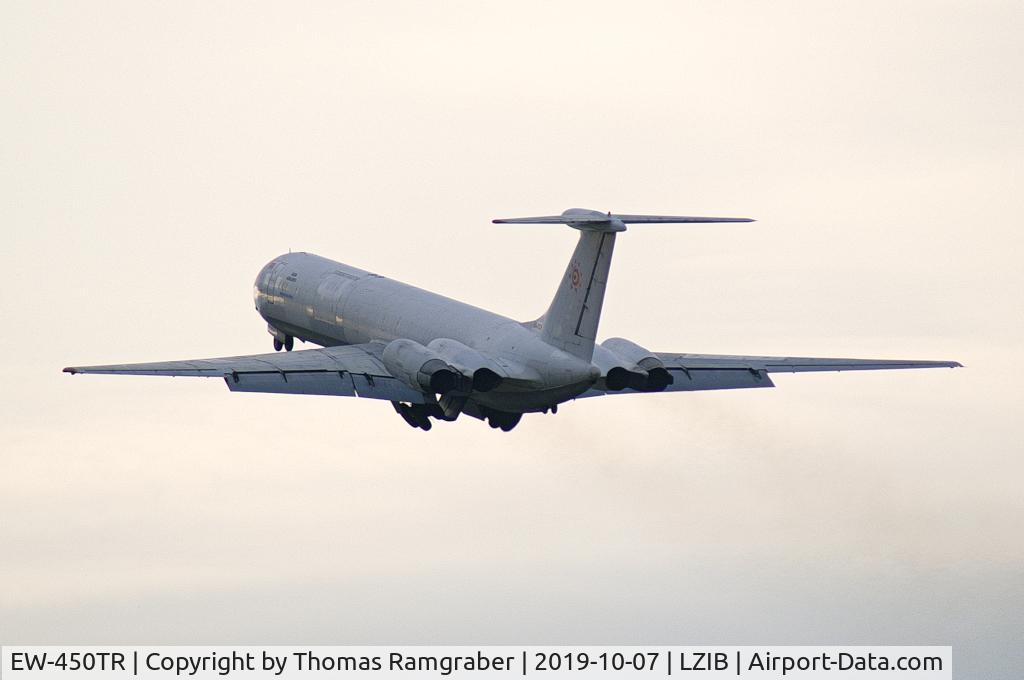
[(570, 323)]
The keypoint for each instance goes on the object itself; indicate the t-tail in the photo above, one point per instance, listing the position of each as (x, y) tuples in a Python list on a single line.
[(570, 323)]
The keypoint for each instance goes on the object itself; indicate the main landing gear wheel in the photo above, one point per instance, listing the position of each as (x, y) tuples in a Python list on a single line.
[(289, 343), (416, 415), (277, 345), (505, 421)]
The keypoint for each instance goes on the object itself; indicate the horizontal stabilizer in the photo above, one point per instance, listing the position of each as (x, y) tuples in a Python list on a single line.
[(594, 220)]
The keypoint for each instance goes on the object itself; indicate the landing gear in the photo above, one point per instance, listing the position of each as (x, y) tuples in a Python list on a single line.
[(502, 420), (420, 415), (414, 414), (278, 345), (288, 344)]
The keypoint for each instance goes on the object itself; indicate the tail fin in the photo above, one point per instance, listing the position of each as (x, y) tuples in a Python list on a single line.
[(570, 323)]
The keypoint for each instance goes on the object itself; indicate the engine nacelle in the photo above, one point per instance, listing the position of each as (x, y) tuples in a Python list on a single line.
[(483, 371), (420, 367), (641, 369)]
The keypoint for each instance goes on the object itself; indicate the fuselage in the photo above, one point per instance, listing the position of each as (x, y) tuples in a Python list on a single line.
[(329, 303)]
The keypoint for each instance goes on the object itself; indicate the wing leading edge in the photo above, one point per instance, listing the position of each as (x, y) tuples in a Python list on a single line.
[(346, 371), (791, 364)]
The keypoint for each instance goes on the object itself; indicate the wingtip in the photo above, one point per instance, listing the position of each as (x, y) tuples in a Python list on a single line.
[(70, 369)]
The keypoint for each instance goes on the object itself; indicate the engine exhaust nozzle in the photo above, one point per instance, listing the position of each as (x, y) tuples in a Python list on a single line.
[(485, 380)]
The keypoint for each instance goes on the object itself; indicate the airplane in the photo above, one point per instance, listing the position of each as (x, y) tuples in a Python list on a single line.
[(435, 358)]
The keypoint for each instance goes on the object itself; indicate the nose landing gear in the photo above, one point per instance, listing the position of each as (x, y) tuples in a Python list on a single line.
[(288, 344)]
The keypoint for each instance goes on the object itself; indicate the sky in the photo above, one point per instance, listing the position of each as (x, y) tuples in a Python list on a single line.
[(153, 156)]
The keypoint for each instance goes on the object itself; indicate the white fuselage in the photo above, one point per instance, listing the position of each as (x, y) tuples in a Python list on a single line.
[(329, 303)]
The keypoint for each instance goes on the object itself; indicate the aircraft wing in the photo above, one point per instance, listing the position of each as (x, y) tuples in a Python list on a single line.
[(346, 371), (683, 362), (691, 372)]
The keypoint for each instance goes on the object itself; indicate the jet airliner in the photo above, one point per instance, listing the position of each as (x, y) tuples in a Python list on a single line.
[(435, 358)]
